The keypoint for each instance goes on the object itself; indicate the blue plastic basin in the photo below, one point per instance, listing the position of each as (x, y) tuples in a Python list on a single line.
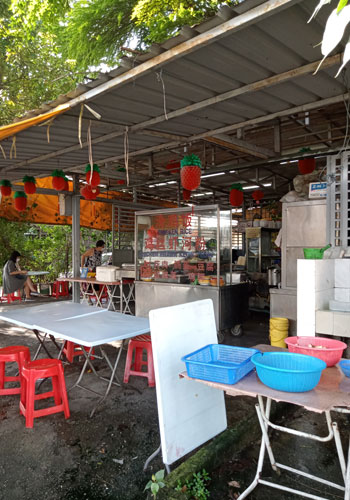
[(345, 366), (289, 372)]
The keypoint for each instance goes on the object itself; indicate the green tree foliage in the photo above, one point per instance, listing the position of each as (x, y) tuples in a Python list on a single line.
[(47, 46), (45, 247)]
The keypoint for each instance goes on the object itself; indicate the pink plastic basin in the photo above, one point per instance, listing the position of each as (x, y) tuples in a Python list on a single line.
[(331, 353)]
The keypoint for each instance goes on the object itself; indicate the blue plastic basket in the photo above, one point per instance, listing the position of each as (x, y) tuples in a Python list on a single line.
[(345, 366), (289, 372), (219, 363)]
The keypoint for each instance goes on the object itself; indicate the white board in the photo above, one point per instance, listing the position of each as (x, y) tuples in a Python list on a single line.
[(189, 413)]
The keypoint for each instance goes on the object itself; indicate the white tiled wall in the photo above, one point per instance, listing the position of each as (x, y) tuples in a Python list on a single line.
[(342, 273), (342, 294)]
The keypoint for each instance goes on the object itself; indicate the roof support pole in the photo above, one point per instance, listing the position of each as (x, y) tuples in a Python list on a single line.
[(76, 237)]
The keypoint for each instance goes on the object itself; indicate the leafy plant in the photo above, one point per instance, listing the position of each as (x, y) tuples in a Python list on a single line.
[(156, 483), (196, 488)]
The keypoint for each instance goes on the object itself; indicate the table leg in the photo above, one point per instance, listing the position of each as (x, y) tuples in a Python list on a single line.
[(347, 477), (110, 382)]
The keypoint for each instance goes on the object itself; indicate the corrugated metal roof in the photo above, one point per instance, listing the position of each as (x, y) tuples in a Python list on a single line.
[(264, 40)]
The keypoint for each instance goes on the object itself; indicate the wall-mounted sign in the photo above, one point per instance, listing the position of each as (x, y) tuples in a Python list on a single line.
[(318, 190)]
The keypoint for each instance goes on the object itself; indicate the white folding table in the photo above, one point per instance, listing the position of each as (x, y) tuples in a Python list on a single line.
[(83, 325), (332, 394)]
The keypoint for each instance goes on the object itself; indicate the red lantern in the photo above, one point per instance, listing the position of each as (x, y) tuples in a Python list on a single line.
[(20, 201), (89, 192), (120, 182), (66, 185), (93, 178), (236, 195), (58, 180), (6, 188), (29, 184), (306, 165), (173, 167), (190, 172), (186, 195), (258, 195)]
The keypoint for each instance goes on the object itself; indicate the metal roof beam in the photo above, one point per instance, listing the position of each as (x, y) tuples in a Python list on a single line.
[(252, 87), (238, 145), (204, 135)]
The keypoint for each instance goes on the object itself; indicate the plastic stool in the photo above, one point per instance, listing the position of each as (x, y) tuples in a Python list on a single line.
[(138, 344), (39, 369), (18, 354), (10, 297), (70, 350), (60, 289)]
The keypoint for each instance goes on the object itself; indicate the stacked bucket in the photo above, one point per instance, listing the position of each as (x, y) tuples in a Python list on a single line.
[(278, 331)]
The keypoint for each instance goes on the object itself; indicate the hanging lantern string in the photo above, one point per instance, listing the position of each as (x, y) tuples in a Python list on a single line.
[(79, 124), (90, 151), (3, 152), (160, 79), (13, 150), (126, 153), (48, 123)]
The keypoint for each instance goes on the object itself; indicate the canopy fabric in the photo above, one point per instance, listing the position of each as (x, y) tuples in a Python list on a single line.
[(44, 209), (14, 128)]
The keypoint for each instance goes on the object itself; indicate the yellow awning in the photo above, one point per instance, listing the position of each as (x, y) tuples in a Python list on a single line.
[(14, 128)]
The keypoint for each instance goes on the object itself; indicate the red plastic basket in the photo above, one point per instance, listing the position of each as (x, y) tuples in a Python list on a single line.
[(331, 353)]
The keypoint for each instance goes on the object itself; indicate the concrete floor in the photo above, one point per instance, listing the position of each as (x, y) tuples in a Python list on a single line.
[(102, 458)]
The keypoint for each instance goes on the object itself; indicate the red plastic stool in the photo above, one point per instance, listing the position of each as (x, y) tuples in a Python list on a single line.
[(60, 289), (138, 344), (18, 354), (39, 369), (70, 350), (10, 297)]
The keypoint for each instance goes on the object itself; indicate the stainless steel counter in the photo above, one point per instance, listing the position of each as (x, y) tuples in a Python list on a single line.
[(230, 301)]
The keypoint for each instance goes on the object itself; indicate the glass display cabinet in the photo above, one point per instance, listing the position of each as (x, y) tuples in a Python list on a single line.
[(185, 254)]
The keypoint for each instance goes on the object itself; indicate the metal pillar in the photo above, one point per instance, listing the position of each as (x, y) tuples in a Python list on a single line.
[(76, 237)]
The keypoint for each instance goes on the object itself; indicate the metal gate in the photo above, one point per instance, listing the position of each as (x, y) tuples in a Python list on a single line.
[(338, 205)]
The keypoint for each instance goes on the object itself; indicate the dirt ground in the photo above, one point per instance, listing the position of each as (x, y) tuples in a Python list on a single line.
[(102, 457)]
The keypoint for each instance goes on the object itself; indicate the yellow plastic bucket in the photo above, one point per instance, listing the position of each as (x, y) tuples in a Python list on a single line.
[(278, 331)]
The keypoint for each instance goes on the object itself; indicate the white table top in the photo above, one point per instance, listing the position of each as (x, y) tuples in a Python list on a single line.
[(37, 273), (78, 323)]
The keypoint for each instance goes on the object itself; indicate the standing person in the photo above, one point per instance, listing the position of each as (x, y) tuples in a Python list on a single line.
[(13, 278), (92, 258)]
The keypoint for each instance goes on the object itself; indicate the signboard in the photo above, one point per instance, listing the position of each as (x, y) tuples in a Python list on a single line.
[(318, 190)]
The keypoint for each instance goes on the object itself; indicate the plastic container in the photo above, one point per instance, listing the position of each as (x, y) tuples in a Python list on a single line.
[(278, 331), (315, 253), (220, 363), (288, 372), (345, 366), (331, 354)]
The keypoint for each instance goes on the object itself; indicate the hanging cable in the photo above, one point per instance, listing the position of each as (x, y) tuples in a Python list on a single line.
[(13, 150), (160, 79), (3, 152), (90, 150), (126, 153), (79, 124)]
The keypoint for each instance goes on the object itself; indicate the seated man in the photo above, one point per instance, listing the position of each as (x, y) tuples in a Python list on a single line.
[(14, 279)]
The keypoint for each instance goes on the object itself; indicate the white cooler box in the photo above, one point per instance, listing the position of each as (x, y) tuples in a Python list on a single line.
[(106, 273)]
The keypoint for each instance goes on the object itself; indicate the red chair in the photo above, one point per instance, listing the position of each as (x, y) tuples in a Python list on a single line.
[(19, 354), (70, 350), (42, 369), (137, 345), (60, 289)]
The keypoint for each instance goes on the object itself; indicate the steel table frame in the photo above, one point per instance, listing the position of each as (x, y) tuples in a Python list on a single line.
[(83, 325), (331, 395), (115, 291)]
